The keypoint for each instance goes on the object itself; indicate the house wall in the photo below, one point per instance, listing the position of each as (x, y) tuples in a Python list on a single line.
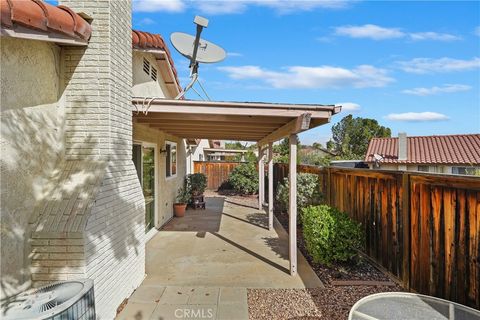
[(166, 187), (143, 84), (31, 143), (99, 126), (196, 152)]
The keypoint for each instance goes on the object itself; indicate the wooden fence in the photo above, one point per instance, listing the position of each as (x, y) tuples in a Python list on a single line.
[(423, 228), (216, 172)]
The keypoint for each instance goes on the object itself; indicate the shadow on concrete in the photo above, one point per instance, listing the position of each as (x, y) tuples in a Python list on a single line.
[(252, 253)]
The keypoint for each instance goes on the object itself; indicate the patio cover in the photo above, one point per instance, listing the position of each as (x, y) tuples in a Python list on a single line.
[(263, 123), (245, 121)]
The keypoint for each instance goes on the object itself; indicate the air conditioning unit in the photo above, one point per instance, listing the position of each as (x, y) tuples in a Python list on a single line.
[(62, 300)]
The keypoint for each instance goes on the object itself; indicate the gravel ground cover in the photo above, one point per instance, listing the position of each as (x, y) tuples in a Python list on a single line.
[(329, 303)]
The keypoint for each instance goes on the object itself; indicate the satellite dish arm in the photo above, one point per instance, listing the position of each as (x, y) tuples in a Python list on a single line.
[(192, 82), (193, 60)]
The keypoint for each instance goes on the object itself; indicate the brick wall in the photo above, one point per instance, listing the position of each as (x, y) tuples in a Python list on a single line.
[(97, 98)]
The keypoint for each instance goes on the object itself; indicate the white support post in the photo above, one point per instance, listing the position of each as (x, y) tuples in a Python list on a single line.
[(270, 186), (292, 205), (260, 180)]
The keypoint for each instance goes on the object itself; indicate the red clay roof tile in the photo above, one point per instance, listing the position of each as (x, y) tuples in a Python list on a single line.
[(39, 15), (448, 149)]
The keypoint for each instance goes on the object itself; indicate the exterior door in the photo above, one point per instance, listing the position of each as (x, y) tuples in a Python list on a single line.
[(144, 159)]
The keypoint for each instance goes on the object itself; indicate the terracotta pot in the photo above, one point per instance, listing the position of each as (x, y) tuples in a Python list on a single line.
[(179, 209)]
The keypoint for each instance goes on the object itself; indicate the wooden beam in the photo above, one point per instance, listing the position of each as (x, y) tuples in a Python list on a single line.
[(270, 186), (227, 109), (232, 118), (216, 136), (264, 131), (210, 124), (292, 205), (260, 186), (299, 124)]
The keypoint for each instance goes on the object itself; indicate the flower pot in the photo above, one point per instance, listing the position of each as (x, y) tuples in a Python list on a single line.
[(179, 209)]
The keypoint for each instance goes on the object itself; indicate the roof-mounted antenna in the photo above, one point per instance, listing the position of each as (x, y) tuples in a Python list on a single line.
[(196, 50)]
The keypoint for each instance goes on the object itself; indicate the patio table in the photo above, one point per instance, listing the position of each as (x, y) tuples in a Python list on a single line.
[(402, 305)]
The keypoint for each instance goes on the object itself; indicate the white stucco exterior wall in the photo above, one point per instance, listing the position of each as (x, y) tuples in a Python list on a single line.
[(31, 145)]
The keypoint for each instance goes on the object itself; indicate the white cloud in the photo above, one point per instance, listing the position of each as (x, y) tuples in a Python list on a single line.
[(213, 7), (477, 31), (146, 22), (447, 88), (429, 65), (349, 106), (419, 36), (370, 31), (417, 116), (234, 54), (313, 77), (375, 32), (158, 5)]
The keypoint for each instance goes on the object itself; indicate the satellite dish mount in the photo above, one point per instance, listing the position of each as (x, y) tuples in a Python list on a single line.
[(196, 50)]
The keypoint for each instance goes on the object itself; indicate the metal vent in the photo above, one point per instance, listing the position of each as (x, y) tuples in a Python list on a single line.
[(61, 300), (146, 66), (154, 74)]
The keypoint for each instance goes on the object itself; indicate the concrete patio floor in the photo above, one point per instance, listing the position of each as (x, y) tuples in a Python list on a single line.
[(225, 247)]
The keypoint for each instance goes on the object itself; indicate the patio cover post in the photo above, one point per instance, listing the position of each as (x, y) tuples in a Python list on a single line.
[(270, 186), (292, 204), (261, 170)]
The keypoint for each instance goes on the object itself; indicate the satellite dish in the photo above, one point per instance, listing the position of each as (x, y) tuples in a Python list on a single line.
[(377, 157), (196, 50), (207, 51)]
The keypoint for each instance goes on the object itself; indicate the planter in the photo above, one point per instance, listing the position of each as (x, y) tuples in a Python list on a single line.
[(179, 209)]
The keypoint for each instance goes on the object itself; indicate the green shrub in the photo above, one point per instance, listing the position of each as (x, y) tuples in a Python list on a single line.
[(308, 193), (244, 178), (330, 235), (196, 183)]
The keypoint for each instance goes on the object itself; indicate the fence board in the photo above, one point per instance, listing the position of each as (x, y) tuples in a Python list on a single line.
[(423, 228)]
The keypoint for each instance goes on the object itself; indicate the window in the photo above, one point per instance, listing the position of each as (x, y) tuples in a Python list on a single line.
[(423, 168), (146, 66), (471, 171), (171, 165), (154, 74)]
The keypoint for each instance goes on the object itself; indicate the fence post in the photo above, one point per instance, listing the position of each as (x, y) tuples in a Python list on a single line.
[(406, 229), (329, 186)]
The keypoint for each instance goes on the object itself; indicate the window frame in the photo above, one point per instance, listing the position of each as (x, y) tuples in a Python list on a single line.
[(169, 152)]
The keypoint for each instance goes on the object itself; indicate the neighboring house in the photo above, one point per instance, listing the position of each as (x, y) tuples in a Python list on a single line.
[(72, 205), (451, 154), (209, 150)]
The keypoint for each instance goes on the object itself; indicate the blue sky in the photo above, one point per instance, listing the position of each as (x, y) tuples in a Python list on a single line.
[(413, 66)]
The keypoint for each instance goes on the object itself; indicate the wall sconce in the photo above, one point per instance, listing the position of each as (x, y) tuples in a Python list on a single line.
[(163, 152)]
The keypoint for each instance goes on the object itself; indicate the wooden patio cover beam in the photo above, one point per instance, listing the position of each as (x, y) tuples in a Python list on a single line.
[(250, 121)]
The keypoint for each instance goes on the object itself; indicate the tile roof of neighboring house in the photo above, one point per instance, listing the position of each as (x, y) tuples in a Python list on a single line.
[(448, 149), (146, 40), (45, 18)]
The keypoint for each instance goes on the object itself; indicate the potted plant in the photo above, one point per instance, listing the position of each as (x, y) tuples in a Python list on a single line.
[(183, 197)]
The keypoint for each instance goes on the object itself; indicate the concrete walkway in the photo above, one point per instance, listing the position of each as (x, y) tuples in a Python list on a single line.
[(208, 258)]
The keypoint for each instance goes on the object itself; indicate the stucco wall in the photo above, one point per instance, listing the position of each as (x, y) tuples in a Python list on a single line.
[(143, 84), (167, 187), (31, 145)]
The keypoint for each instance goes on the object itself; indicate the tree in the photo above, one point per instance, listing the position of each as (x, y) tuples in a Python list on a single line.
[(282, 150), (350, 137)]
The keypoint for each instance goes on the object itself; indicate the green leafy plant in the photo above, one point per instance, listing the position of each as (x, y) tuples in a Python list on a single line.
[(183, 195), (330, 235), (244, 178), (196, 183), (308, 193)]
